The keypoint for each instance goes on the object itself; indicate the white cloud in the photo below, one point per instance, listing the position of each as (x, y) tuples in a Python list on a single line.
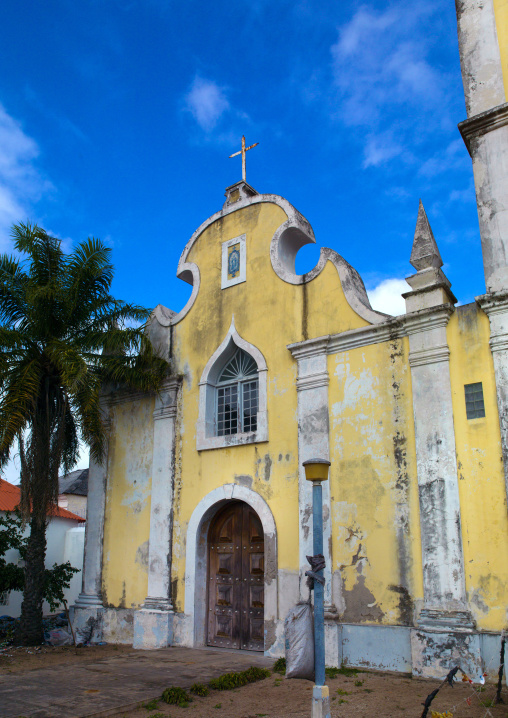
[(21, 183), (384, 77), (380, 149), (207, 102), (386, 297)]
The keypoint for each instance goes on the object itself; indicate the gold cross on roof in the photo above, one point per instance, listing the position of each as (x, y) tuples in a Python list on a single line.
[(242, 152)]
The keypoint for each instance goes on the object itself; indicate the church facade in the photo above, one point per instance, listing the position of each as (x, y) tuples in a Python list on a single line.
[(200, 520)]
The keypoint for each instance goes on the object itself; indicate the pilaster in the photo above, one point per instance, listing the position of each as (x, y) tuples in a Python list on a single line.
[(91, 592), (313, 442), (443, 566), (495, 307), (88, 608), (486, 138), (153, 624)]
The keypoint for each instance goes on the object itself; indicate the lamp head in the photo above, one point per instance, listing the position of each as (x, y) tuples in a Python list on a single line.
[(316, 469)]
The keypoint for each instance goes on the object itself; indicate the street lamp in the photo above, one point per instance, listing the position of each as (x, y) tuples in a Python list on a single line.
[(316, 471)]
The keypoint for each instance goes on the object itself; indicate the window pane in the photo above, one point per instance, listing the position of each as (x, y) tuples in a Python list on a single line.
[(475, 407), (227, 410), (250, 405)]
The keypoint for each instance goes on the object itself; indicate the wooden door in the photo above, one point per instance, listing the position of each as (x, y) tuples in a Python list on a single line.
[(236, 579)]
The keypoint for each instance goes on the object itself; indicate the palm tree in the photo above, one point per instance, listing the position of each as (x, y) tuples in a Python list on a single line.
[(63, 338)]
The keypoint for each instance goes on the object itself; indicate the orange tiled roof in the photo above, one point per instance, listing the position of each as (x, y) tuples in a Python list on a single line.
[(10, 496)]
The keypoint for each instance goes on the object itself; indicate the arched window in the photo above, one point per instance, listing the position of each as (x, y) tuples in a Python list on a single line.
[(237, 396), (232, 395)]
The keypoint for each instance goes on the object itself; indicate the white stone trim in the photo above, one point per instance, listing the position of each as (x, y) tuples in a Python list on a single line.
[(484, 122), (196, 559), (205, 438), (242, 241), (189, 272), (313, 442), (292, 234), (433, 355)]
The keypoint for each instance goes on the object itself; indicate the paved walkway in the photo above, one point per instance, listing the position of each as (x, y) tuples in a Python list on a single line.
[(102, 688)]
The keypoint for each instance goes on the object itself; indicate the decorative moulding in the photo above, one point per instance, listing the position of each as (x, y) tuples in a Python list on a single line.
[(226, 281), (205, 430), (292, 234), (393, 328), (479, 125)]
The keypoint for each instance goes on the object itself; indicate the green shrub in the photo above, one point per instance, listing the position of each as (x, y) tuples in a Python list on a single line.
[(176, 696), (280, 666), (234, 680), (199, 689)]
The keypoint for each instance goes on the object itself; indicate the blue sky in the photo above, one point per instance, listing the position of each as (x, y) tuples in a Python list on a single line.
[(117, 119)]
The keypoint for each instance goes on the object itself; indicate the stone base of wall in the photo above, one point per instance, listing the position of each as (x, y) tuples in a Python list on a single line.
[(403, 649), (434, 653), (153, 629)]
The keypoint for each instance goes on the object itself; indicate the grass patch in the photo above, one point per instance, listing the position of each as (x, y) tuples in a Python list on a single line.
[(340, 692), (341, 700), (488, 702), (235, 680), (332, 672), (176, 697), (218, 705), (199, 689), (151, 705), (359, 683), (280, 666), (368, 690)]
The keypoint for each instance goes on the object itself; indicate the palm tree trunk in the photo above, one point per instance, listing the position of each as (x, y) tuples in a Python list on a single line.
[(30, 630)]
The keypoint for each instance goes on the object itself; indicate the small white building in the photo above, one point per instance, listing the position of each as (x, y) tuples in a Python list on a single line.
[(65, 542)]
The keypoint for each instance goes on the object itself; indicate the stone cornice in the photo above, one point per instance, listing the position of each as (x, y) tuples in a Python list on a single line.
[(395, 328), (427, 319), (495, 303), (309, 347), (125, 395), (479, 125), (365, 336)]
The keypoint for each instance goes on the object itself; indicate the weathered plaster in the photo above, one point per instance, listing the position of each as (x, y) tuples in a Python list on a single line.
[(480, 57)]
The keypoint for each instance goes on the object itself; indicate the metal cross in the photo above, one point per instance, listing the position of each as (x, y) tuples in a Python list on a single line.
[(242, 152)]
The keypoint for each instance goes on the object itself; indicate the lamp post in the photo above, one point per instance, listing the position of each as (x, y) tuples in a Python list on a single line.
[(316, 471)]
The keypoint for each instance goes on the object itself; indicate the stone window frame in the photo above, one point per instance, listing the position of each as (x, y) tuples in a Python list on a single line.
[(205, 430), (242, 275)]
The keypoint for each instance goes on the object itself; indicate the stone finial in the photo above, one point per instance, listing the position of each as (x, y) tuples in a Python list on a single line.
[(425, 253)]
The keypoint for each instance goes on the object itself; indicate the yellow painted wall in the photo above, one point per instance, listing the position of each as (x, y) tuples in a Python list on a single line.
[(269, 313), (376, 537), (501, 15), (481, 477), (127, 517), (375, 517)]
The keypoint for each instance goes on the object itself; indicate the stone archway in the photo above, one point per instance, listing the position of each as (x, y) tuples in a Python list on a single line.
[(197, 561)]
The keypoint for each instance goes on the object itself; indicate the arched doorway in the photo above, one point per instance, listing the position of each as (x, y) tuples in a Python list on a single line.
[(236, 579)]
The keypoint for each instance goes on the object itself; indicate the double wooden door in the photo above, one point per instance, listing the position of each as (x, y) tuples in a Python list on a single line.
[(236, 579)]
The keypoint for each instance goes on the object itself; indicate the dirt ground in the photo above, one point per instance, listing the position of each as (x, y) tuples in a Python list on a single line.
[(18, 660), (367, 695), (364, 695)]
